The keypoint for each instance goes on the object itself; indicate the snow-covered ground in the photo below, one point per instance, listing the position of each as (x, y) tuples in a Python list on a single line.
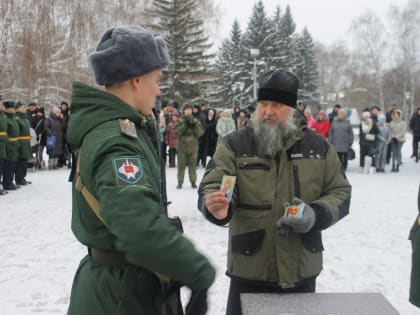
[(368, 251)]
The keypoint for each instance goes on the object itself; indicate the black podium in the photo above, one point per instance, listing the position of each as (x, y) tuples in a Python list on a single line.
[(316, 304)]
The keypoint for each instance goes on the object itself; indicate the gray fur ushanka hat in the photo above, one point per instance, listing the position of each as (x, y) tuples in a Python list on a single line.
[(127, 52)]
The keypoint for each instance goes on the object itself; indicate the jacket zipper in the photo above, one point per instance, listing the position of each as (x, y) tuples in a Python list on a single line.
[(296, 180)]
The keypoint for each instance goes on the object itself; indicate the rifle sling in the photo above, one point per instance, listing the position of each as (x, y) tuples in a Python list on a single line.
[(94, 204)]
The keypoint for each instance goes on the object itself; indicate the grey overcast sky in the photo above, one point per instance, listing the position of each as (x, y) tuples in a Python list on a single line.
[(327, 20)]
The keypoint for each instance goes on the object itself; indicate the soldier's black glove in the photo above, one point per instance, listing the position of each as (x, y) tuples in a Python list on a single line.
[(190, 122), (197, 305)]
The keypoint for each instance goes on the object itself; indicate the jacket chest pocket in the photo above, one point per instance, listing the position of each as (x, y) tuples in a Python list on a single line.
[(254, 182)]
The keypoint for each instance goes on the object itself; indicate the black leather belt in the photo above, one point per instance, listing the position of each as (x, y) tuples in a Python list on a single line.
[(107, 257)]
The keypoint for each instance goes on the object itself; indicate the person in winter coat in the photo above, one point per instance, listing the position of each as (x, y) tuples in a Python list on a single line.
[(225, 125), (322, 124), (334, 113), (415, 128), (398, 129), (242, 119), (309, 119), (3, 143), (368, 141), (170, 139), (25, 150), (341, 136), (162, 130), (384, 138), (415, 258), (188, 130), (31, 114), (388, 116), (65, 158), (116, 211), (210, 135), (54, 128), (275, 163), (41, 136), (235, 114), (12, 147), (202, 144)]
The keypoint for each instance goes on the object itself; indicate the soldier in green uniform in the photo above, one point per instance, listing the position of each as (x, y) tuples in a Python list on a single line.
[(3, 142), (415, 260), (12, 147), (132, 246), (25, 151), (276, 162), (188, 130)]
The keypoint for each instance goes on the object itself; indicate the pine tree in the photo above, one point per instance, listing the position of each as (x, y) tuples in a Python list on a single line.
[(257, 36), (306, 69), (278, 54), (280, 47), (287, 31), (230, 59), (288, 25), (187, 77)]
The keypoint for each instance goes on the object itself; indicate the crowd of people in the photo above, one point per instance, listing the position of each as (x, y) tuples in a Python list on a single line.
[(381, 136), (25, 132), (189, 134), (278, 159)]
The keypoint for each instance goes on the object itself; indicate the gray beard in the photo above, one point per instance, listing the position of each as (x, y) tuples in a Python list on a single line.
[(271, 140)]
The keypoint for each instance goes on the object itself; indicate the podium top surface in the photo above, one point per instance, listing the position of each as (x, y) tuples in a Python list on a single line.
[(316, 304)]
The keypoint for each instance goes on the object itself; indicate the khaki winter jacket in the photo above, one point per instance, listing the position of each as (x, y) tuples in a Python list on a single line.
[(188, 130), (308, 168)]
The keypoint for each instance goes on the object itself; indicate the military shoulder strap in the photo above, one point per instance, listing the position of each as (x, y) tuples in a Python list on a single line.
[(93, 203)]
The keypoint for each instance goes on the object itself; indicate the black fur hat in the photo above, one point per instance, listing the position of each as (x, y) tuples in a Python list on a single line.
[(127, 52), (9, 104), (278, 86), (19, 104)]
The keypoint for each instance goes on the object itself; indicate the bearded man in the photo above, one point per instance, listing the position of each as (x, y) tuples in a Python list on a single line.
[(277, 161)]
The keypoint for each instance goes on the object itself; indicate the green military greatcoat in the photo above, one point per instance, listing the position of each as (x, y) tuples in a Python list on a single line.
[(119, 165), (3, 135), (12, 146), (24, 136)]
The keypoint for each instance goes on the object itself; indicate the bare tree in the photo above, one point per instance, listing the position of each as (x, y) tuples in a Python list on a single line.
[(406, 26), (333, 67), (370, 49), (47, 46)]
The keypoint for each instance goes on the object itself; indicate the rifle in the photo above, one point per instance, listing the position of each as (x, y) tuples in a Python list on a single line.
[(168, 287)]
